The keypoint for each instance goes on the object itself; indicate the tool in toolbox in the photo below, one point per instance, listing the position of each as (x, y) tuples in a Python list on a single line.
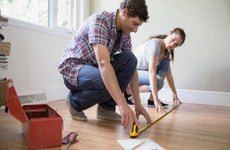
[(69, 139), (135, 131)]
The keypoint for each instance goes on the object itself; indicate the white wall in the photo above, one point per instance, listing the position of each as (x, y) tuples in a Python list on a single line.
[(203, 62), (34, 59), (35, 54)]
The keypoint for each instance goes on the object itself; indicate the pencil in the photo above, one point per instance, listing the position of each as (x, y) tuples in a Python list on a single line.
[(138, 145)]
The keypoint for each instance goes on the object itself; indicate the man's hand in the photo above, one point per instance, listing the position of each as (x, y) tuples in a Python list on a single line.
[(127, 116), (140, 110)]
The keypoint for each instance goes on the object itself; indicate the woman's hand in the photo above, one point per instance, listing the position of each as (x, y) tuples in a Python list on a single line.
[(176, 100), (158, 106)]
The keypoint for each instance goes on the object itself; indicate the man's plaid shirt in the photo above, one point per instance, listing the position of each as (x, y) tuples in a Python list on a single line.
[(99, 28)]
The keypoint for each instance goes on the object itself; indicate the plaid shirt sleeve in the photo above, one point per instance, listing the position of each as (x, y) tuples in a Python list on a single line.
[(98, 31)]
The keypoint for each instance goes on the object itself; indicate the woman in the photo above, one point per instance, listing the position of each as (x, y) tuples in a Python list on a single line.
[(153, 66)]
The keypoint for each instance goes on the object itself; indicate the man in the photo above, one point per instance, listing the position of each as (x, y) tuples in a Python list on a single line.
[(98, 64)]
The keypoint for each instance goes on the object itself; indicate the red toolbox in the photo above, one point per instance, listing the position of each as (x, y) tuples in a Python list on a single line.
[(41, 125)]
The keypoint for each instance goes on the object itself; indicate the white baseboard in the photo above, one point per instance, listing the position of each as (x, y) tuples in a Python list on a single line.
[(56, 93), (186, 96), (198, 97)]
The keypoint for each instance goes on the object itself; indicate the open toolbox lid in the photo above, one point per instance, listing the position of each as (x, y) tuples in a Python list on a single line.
[(14, 104)]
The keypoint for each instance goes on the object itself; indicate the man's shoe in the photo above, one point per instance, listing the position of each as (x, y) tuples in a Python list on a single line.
[(79, 116), (151, 103), (128, 98), (107, 114), (130, 102)]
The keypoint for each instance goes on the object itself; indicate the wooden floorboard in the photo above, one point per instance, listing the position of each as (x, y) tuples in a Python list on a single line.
[(189, 127)]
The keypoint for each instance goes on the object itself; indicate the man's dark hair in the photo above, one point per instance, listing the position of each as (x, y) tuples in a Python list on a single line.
[(136, 8)]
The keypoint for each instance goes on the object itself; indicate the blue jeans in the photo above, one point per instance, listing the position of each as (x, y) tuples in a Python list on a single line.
[(162, 70), (91, 89)]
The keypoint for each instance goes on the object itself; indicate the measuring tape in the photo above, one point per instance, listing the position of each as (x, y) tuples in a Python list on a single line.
[(135, 132)]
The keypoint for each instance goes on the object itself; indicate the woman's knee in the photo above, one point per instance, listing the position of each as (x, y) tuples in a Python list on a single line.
[(160, 84), (132, 60)]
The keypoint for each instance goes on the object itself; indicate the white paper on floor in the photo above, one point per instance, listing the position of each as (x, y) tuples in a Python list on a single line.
[(148, 144)]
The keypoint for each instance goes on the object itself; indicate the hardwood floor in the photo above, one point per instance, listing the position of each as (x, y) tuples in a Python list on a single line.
[(189, 127)]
